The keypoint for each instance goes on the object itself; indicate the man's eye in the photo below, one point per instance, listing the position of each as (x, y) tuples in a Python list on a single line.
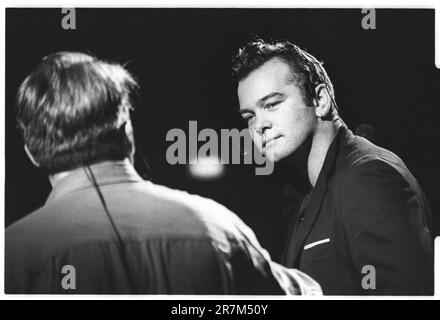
[(271, 105), (248, 118)]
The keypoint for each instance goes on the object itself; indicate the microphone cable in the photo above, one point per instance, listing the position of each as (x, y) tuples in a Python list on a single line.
[(91, 176)]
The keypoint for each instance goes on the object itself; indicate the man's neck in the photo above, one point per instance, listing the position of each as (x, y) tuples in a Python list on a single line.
[(321, 141), (56, 177)]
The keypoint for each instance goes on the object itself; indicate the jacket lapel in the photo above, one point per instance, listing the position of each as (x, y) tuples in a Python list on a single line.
[(303, 228), (310, 211)]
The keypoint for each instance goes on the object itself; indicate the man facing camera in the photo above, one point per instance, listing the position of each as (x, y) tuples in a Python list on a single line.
[(363, 227), (103, 229)]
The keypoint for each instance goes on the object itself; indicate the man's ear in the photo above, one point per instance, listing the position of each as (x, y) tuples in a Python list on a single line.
[(130, 135), (31, 157), (323, 102)]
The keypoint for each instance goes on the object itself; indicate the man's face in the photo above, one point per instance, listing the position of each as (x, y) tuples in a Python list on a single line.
[(278, 118)]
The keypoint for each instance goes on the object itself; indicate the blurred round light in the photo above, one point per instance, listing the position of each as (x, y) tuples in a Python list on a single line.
[(206, 168)]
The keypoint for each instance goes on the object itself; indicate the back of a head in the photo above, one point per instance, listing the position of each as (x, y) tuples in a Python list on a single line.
[(72, 109)]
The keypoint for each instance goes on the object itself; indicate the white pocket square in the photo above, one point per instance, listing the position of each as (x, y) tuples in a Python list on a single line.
[(316, 243)]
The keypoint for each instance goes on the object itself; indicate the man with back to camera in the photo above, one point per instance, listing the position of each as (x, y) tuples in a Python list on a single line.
[(103, 229), (363, 227)]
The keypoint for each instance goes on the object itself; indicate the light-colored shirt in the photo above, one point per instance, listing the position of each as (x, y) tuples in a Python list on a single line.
[(171, 242)]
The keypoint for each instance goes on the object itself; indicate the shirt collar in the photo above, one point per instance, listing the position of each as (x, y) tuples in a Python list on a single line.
[(107, 172)]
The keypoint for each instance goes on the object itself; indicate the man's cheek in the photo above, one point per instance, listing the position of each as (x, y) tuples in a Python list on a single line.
[(258, 142), (253, 134)]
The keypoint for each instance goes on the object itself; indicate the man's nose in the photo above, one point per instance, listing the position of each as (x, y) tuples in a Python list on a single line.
[(262, 124)]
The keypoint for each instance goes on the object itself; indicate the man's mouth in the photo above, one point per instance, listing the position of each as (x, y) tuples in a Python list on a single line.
[(268, 141)]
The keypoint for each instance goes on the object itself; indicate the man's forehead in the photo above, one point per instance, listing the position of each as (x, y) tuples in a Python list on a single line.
[(272, 77), (275, 69)]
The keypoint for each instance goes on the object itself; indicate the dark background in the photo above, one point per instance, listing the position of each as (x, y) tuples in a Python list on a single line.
[(181, 57)]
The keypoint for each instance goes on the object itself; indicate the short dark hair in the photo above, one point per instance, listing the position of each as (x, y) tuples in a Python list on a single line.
[(307, 71), (72, 110)]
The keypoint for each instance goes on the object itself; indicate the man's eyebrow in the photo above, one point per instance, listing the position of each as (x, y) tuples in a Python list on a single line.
[(270, 95)]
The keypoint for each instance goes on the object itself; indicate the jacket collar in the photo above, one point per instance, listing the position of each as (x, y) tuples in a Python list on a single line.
[(316, 196), (331, 159), (107, 172)]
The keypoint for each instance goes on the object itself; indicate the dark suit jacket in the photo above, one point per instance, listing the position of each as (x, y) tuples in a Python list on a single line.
[(363, 229)]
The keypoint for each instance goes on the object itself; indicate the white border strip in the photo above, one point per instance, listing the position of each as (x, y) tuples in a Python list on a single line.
[(201, 4)]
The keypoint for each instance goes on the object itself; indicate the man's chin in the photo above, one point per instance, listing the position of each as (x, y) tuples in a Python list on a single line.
[(273, 156), (275, 152)]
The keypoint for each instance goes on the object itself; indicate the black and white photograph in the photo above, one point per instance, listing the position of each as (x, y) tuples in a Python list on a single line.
[(214, 151)]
